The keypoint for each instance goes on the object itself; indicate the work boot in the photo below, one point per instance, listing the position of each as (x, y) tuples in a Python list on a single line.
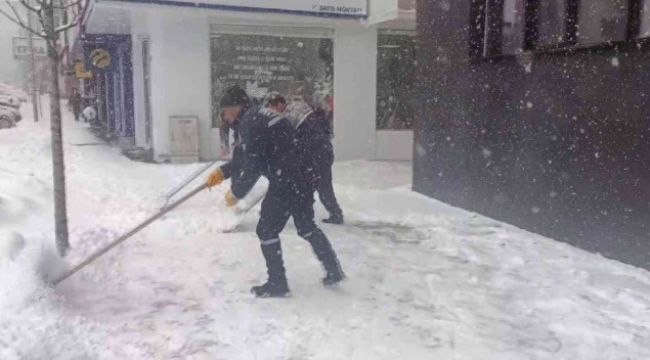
[(271, 290), (325, 253), (332, 279), (276, 285), (334, 219)]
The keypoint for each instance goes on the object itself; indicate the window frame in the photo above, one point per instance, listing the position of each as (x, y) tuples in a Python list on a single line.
[(412, 36), (486, 29)]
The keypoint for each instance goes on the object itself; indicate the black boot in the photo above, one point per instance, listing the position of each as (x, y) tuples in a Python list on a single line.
[(334, 219), (325, 253), (276, 285)]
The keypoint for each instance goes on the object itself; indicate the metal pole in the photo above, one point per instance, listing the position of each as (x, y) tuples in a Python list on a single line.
[(124, 237), (32, 67)]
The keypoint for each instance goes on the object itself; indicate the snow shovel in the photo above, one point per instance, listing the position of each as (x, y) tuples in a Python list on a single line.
[(124, 237), (185, 182), (233, 217)]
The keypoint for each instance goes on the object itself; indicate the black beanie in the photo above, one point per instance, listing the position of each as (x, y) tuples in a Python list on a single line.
[(274, 98), (234, 96)]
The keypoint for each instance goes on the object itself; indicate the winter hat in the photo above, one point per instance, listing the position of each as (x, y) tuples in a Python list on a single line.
[(274, 97), (234, 96)]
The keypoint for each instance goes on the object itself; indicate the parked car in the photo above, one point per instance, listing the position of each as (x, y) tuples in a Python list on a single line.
[(8, 90), (6, 119), (9, 117)]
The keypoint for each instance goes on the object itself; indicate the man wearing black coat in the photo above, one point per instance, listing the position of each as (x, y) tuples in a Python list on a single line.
[(76, 102), (268, 148), (314, 134)]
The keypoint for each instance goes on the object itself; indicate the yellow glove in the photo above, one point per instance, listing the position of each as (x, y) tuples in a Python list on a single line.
[(215, 178), (231, 199)]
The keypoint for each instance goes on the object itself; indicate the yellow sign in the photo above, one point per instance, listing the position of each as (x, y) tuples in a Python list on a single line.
[(100, 58), (80, 70)]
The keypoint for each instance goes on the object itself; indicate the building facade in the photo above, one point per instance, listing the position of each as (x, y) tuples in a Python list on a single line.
[(182, 55), (537, 113)]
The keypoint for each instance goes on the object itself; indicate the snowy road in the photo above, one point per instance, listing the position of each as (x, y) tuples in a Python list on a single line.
[(427, 281)]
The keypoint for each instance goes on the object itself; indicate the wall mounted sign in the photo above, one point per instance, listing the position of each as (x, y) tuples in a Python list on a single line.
[(100, 58), (342, 8)]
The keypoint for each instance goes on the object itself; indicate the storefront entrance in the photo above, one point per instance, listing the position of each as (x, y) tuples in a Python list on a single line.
[(271, 60), (109, 56)]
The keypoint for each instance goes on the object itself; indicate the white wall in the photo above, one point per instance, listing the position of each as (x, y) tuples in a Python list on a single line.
[(382, 10), (180, 75), (355, 91), (140, 30)]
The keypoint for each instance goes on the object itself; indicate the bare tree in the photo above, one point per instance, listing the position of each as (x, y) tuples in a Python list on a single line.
[(45, 12)]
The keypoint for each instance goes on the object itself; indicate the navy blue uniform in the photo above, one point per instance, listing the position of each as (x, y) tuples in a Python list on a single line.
[(314, 134), (269, 148)]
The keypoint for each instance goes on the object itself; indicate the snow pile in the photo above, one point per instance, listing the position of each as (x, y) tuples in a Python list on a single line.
[(25, 209), (11, 244), (32, 322)]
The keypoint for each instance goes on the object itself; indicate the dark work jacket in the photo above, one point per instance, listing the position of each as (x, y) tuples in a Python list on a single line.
[(224, 132), (314, 143), (269, 148)]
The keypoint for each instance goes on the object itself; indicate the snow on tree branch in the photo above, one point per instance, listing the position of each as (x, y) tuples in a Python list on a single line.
[(37, 9), (16, 19), (76, 19), (67, 6), (77, 7)]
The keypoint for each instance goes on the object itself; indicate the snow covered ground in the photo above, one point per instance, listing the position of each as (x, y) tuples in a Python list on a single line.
[(426, 281)]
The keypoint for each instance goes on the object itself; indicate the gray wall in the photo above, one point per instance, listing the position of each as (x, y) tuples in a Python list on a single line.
[(562, 150)]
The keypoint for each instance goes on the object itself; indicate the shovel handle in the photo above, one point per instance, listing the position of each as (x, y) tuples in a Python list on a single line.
[(127, 235)]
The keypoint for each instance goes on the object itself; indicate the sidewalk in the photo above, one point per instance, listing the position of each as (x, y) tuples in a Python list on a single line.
[(425, 280)]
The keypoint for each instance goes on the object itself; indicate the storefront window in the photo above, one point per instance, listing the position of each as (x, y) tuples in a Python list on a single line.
[(645, 19), (602, 21), (552, 15), (293, 66), (513, 26), (395, 82)]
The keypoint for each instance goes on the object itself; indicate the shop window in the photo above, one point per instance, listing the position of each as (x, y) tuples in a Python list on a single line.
[(602, 21), (498, 26), (645, 19), (293, 66), (552, 20), (513, 26), (504, 22), (395, 81)]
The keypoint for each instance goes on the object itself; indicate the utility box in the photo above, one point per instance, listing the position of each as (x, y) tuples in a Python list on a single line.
[(183, 139)]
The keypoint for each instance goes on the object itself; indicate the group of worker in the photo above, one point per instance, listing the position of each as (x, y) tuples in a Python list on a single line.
[(289, 143)]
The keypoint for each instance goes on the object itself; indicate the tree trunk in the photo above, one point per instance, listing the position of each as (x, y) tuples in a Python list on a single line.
[(58, 165), (32, 68)]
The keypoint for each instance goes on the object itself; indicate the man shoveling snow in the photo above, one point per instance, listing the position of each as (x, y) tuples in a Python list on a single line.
[(268, 148)]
